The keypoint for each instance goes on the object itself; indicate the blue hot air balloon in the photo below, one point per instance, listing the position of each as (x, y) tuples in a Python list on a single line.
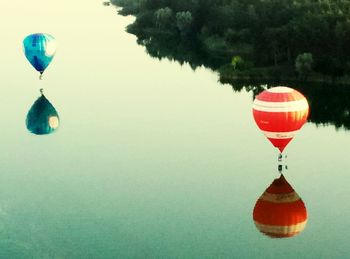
[(42, 117), (39, 48)]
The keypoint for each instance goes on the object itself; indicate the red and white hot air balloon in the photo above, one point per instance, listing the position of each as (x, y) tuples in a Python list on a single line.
[(280, 112), (279, 212)]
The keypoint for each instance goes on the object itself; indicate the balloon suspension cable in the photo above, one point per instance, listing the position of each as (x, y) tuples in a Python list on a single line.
[(41, 75)]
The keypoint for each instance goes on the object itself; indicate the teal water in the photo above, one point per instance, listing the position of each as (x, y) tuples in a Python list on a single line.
[(152, 159)]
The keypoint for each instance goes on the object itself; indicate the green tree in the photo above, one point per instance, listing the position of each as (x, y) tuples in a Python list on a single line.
[(303, 64), (184, 21), (163, 17), (237, 63)]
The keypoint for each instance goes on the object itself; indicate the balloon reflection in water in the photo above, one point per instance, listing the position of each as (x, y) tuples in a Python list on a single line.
[(280, 112), (280, 212), (42, 117)]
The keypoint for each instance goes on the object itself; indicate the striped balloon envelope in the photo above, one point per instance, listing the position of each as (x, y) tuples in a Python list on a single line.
[(280, 112), (279, 212)]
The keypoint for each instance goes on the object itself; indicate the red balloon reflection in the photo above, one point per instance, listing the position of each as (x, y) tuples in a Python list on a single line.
[(280, 212)]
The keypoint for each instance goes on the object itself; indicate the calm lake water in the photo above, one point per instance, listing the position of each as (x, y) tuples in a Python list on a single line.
[(152, 159)]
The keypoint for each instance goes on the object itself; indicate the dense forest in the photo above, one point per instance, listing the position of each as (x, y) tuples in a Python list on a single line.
[(259, 38)]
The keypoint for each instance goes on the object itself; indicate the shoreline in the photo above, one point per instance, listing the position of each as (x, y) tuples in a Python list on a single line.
[(270, 77)]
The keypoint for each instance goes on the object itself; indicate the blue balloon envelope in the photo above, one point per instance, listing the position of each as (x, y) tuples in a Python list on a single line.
[(39, 49), (42, 117)]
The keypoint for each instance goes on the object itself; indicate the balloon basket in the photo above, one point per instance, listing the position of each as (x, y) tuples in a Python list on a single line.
[(282, 163)]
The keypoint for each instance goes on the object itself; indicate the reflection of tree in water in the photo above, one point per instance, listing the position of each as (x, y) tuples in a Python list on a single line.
[(167, 45), (329, 104)]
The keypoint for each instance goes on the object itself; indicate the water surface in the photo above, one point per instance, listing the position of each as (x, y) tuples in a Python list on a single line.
[(152, 159)]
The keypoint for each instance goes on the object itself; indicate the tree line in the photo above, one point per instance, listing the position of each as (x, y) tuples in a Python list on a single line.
[(308, 35)]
